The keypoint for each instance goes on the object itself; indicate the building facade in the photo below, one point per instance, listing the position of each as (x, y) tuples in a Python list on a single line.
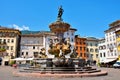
[(110, 41), (9, 43), (80, 44), (33, 41), (92, 49), (118, 42), (70, 34), (102, 51)]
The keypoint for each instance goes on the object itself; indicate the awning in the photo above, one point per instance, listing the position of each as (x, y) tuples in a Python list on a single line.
[(19, 59), (22, 59), (110, 60)]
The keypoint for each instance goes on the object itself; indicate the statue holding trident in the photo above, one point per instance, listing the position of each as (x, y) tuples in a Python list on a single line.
[(60, 12)]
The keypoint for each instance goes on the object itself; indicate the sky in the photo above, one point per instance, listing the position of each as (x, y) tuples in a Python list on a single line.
[(90, 17)]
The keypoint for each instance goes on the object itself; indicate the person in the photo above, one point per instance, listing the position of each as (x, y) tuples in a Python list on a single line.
[(60, 12)]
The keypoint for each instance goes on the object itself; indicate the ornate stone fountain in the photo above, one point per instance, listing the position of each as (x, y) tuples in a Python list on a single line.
[(60, 65)]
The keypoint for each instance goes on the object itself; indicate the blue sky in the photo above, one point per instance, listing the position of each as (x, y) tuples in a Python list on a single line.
[(89, 17)]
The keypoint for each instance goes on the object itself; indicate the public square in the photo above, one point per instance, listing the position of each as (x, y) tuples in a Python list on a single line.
[(6, 73)]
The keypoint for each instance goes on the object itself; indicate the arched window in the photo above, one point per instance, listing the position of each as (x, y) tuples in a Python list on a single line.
[(104, 47), (96, 50), (100, 54), (91, 50), (104, 54)]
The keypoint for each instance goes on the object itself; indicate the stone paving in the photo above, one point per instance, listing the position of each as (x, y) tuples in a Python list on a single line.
[(6, 73)]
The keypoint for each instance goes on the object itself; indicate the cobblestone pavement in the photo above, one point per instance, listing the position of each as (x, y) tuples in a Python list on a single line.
[(6, 74)]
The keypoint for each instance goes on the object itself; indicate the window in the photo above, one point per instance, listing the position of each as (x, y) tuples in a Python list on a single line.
[(104, 54), (8, 40), (7, 47), (12, 41), (76, 42), (91, 50), (84, 43), (76, 48), (80, 54), (84, 54), (115, 44), (80, 42), (67, 33), (33, 47), (100, 54), (115, 53), (100, 47), (4, 41), (87, 44), (96, 45), (84, 48), (111, 54), (104, 47), (35, 54), (91, 55), (72, 34), (0, 40), (87, 50), (96, 55), (3, 47), (0, 34), (72, 40), (11, 47), (108, 53), (80, 48), (90, 44), (22, 53), (26, 53), (96, 50), (12, 34)]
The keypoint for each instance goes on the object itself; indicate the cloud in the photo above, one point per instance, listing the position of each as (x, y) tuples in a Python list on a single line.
[(23, 27)]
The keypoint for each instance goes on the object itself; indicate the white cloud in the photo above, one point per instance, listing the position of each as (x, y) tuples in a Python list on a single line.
[(23, 27)]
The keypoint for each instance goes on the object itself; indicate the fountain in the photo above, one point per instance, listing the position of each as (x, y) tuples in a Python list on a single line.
[(60, 48)]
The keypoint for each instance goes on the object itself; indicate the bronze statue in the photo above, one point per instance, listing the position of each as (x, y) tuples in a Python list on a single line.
[(60, 12)]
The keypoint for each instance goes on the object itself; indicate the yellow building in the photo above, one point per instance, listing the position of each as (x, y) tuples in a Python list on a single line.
[(118, 42), (92, 49), (9, 44)]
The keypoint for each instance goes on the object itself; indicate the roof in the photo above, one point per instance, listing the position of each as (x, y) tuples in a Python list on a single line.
[(115, 23), (92, 38), (6, 29), (73, 29), (35, 33), (29, 32)]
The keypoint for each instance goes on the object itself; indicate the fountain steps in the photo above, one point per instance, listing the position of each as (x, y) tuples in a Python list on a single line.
[(60, 70)]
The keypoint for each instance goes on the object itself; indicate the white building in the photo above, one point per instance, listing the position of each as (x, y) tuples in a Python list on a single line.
[(102, 50), (33, 42), (111, 52), (70, 34)]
